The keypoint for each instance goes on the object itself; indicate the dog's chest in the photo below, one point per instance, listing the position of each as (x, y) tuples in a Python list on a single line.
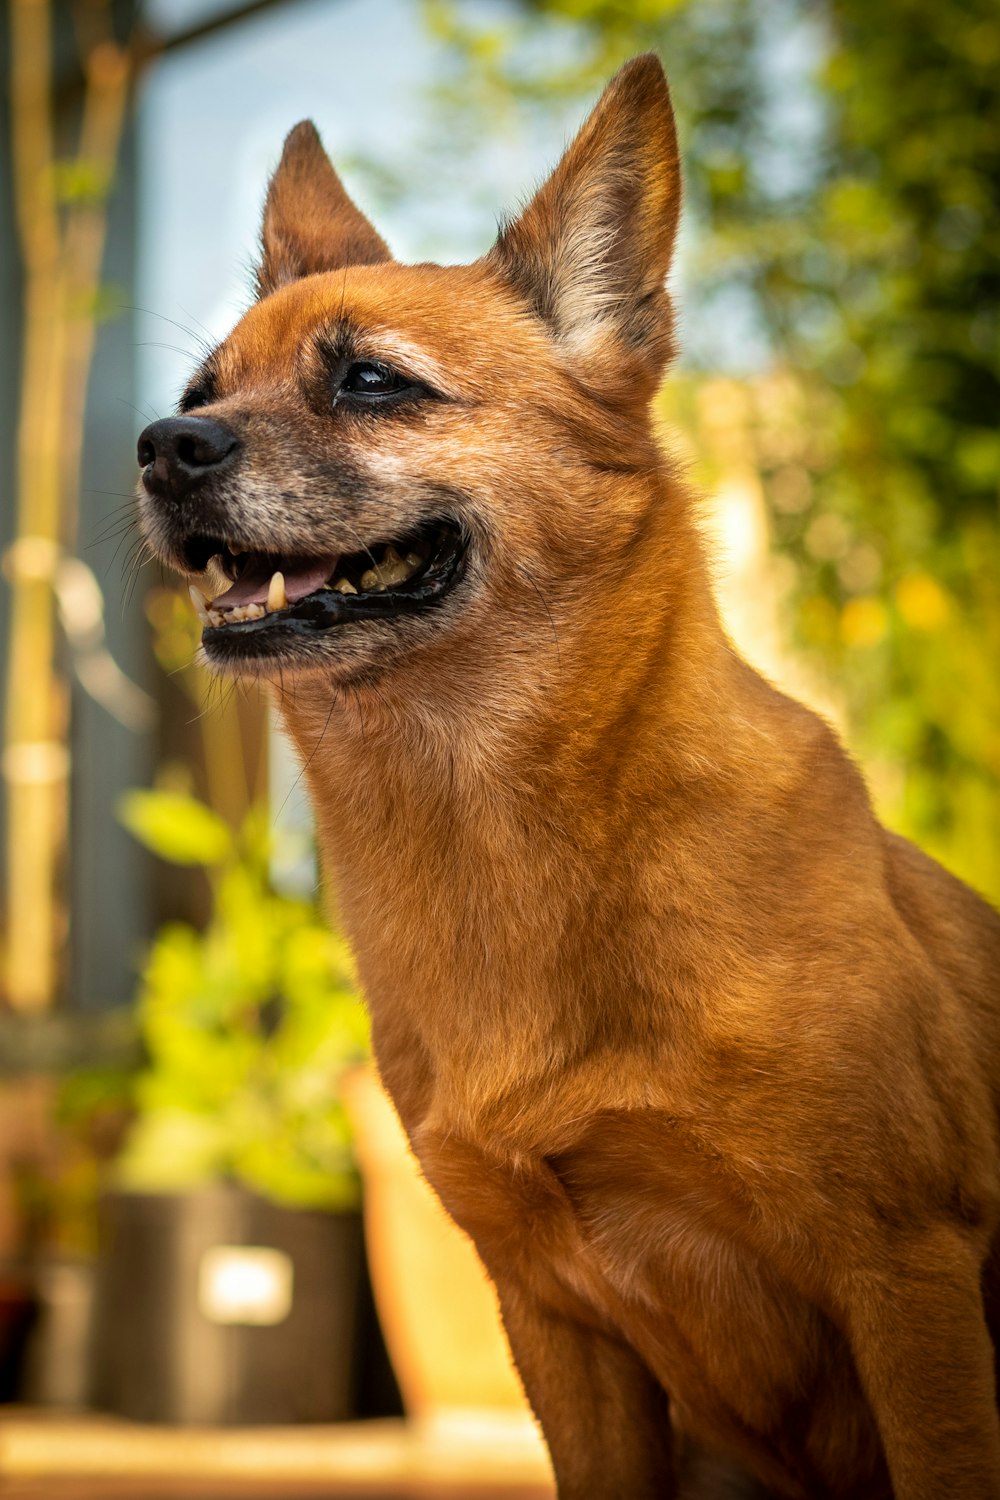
[(631, 1230)]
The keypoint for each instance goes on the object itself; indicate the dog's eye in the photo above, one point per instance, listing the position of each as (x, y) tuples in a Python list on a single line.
[(368, 378)]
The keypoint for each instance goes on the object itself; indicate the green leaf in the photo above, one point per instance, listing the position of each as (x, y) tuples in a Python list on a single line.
[(172, 1150), (176, 827)]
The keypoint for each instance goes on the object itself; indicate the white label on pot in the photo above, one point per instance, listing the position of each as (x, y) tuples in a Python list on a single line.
[(245, 1284)]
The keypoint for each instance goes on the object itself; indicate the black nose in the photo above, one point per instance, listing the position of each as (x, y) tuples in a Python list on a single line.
[(176, 451)]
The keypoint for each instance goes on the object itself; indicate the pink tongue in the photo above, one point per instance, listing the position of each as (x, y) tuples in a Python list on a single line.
[(300, 579)]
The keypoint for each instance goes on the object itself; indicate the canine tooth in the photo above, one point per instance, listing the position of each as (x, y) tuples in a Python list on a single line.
[(372, 579), (344, 586), (276, 596), (200, 603)]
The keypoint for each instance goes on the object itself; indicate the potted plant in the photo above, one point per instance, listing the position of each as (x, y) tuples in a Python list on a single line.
[(229, 1274), (67, 1131)]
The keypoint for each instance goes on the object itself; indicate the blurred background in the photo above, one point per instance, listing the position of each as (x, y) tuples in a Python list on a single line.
[(189, 1136)]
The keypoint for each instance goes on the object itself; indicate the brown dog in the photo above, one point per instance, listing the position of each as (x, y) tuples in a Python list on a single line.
[(703, 1059)]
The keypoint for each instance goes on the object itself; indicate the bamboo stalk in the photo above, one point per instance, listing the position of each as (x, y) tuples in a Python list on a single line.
[(62, 271), (107, 72), (35, 761)]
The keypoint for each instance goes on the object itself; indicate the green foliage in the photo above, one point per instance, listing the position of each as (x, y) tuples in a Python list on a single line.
[(909, 214), (841, 170), (248, 1027), (176, 827), (57, 1192)]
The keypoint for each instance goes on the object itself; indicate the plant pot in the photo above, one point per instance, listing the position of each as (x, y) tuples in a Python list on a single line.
[(437, 1307), (56, 1368), (219, 1307)]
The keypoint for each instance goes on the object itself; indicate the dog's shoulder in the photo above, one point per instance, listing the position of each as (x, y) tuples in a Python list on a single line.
[(958, 930)]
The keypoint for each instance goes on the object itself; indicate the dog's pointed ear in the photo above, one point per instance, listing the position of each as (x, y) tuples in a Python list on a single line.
[(591, 251), (310, 224)]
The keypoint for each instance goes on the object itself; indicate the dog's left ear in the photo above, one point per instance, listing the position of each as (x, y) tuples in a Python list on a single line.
[(310, 224), (591, 251)]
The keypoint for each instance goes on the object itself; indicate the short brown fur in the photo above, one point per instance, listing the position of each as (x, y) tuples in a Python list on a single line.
[(704, 1060)]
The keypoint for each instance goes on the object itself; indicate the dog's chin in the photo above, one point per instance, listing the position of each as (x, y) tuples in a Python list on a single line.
[(272, 614), (350, 654)]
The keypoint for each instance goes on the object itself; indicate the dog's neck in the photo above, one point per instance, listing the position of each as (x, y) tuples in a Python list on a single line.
[(467, 827)]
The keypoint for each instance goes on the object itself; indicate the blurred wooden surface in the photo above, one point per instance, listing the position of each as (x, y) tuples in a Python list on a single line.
[(468, 1456), (194, 1489)]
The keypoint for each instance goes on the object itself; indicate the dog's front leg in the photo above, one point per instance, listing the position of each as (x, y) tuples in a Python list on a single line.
[(606, 1420), (925, 1359)]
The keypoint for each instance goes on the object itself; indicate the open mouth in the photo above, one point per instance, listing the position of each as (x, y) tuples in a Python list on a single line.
[(274, 594)]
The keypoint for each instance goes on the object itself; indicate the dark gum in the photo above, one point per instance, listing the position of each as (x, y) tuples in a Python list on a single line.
[(326, 608)]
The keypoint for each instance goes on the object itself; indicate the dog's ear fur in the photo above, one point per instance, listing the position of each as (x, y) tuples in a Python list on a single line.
[(310, 224), (592, 249)]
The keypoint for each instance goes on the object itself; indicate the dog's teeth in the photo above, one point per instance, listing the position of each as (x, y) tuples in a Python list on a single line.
[(216, 617), (392, 570), (344, 586), (399, 574), (200, 603), (276, 596), (215, 573), (396, 569), (254, 612)]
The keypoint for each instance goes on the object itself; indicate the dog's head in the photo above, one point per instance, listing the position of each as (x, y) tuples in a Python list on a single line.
[(378, 455)]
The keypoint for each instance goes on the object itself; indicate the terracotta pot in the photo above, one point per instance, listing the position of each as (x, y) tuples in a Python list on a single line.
[(438, 1310)]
